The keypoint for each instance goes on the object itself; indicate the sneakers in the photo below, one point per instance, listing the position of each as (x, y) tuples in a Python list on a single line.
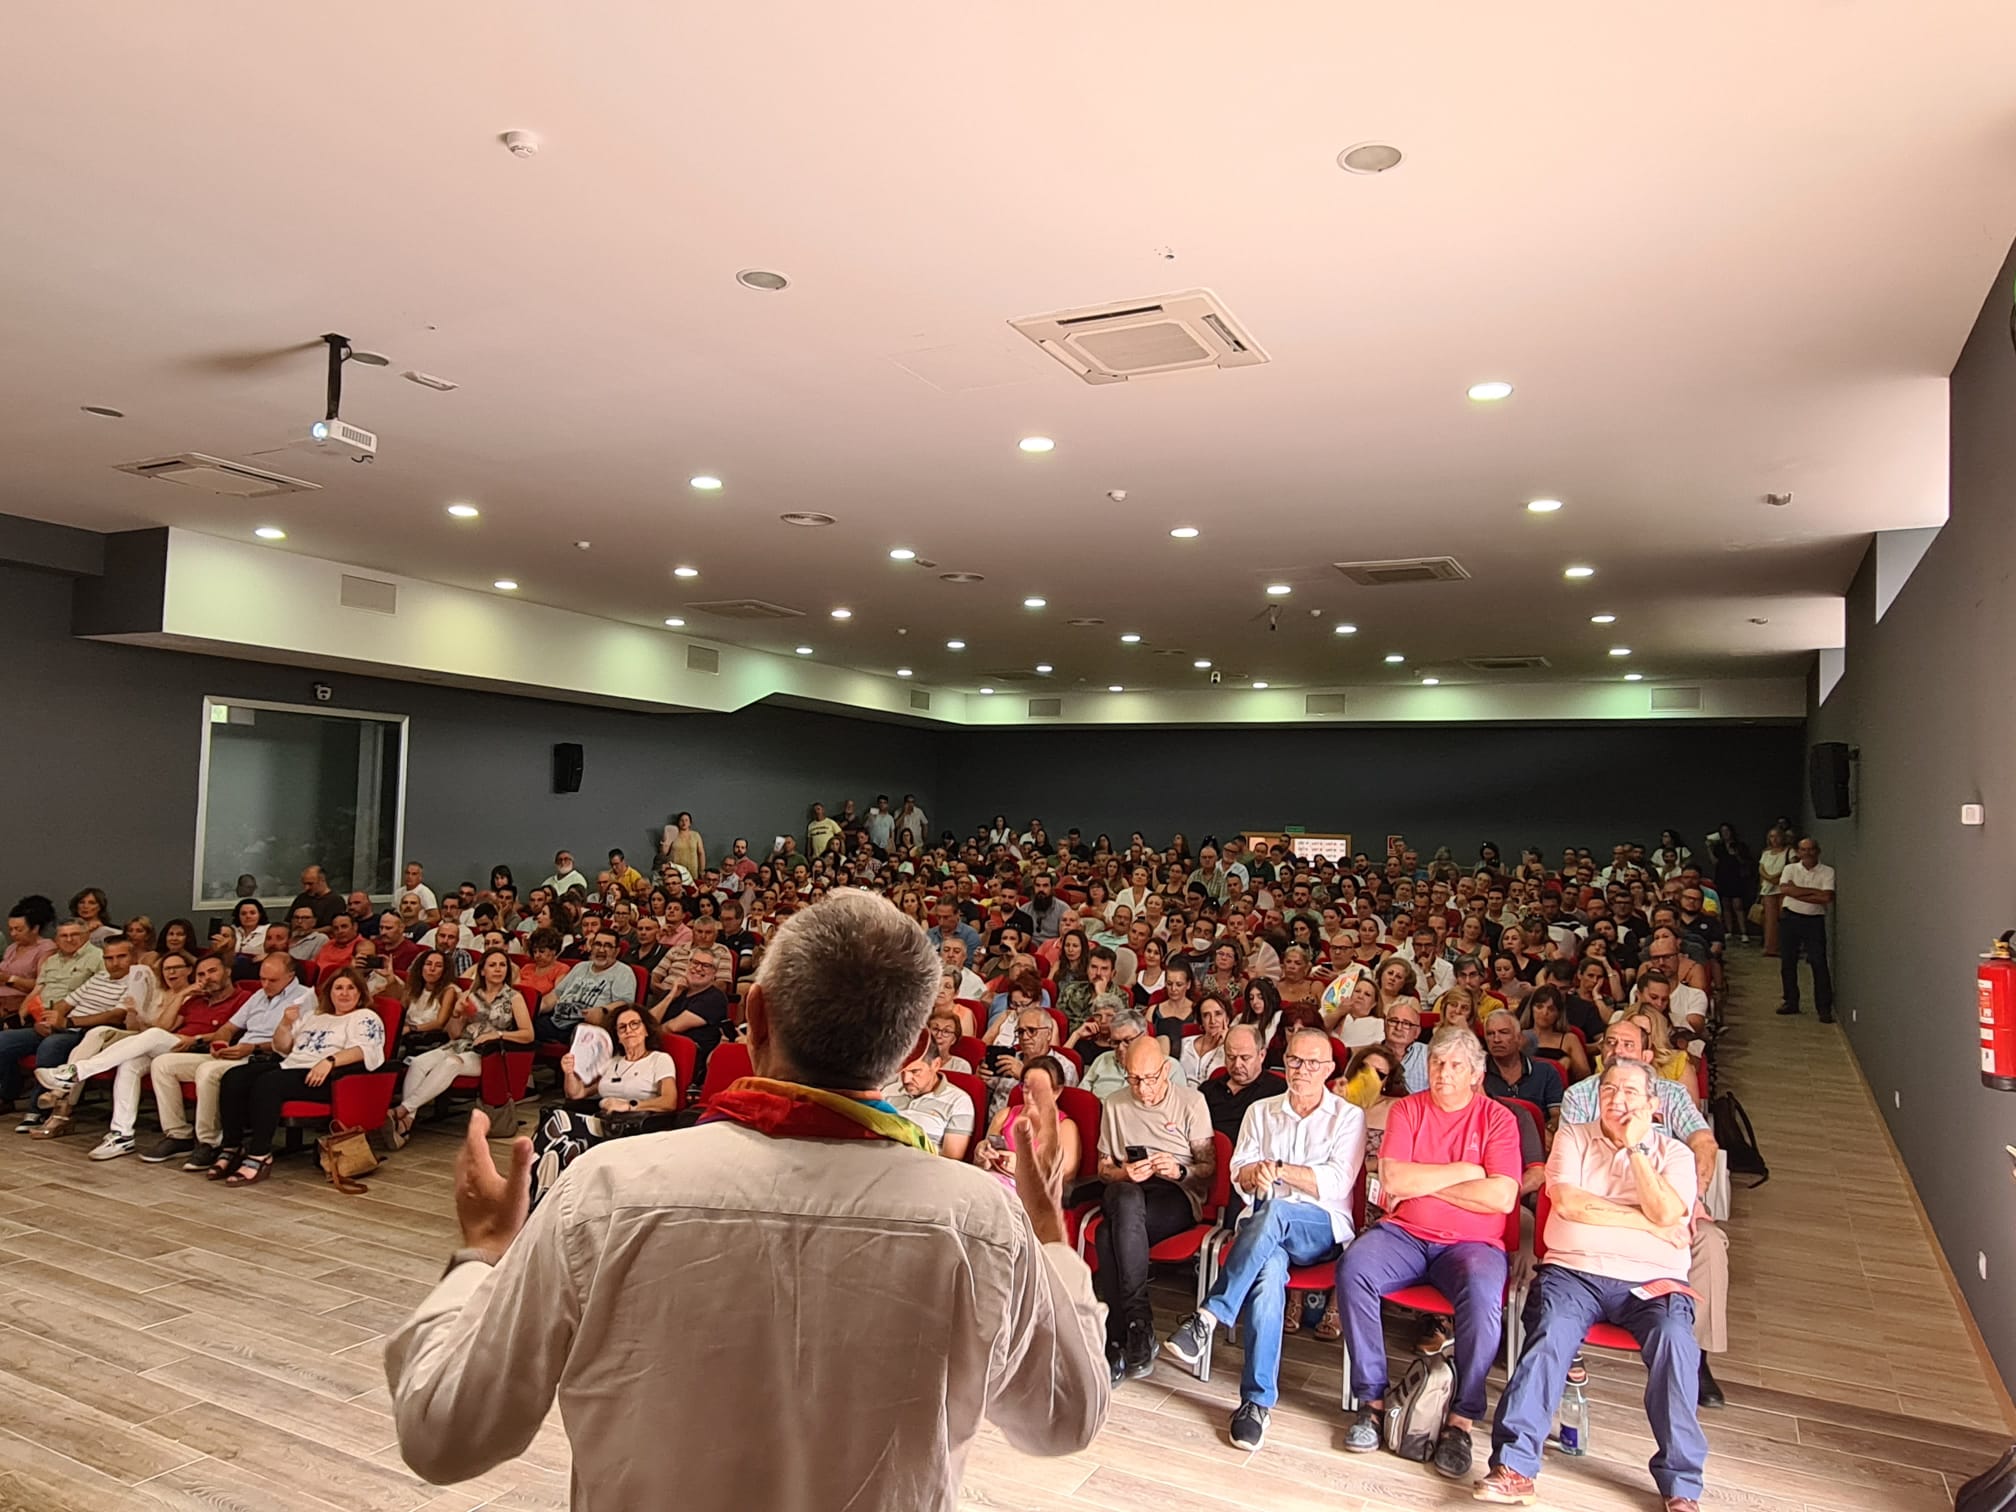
[(166, 1148), (112, 1146), (31, 1123), (1451, 1458), (1116, 1361), (1505, 1488), (201, 1158), (62, 1080), (1249, 1426), (1140, 1349), (1362, 1436), (1191, 1339)]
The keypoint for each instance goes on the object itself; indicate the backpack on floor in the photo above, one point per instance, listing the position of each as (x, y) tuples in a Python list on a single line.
[(1737, 1139), (1417, 1408), (1993, 1490)]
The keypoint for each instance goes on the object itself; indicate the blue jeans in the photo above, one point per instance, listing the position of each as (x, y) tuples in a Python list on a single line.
[(1471, 1275), (1252, 1287), (48, 1050), (1559, 1309)]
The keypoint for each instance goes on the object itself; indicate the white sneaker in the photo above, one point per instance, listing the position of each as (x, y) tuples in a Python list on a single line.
[(60, 1079), (112, 1146)]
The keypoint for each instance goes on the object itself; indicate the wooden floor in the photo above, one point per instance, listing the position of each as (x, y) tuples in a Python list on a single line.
[(166, 1343)]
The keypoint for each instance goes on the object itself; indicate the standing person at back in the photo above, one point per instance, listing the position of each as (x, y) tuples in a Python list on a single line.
[(676, 1288), (1807, 889)]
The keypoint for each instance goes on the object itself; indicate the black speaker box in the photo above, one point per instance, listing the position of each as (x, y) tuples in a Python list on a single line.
[(567, 768), (1827, 774)]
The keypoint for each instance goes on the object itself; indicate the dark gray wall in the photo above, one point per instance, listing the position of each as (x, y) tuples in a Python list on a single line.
[(1437, 785), (1925, 698), (100, 772)]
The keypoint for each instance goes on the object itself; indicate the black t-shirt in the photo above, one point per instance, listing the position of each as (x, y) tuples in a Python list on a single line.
[(649, 959), (744, 944), (1584, 1015), (711, 1004), (1228, 1108), (324, 908)]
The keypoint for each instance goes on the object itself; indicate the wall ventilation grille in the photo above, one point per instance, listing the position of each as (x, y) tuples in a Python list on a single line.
[(214, 475), (369, 593), (1505, 663), (703, 659), (746, 609), (1045, 708), (1676, 700), (920, 700), (1137, 338), (1405, 570), (1323, 703)]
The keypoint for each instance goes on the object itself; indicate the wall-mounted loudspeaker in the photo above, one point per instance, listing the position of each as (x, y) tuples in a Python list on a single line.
[(1827, 774), (567, 768)]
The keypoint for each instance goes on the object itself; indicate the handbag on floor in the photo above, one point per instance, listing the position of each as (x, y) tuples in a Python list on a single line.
[(346, 1154), (1993, 1490), (1737, 1139), (1417, 1408)]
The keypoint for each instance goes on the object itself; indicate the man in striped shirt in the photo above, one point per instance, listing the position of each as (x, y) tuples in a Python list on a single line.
[(102, 998)]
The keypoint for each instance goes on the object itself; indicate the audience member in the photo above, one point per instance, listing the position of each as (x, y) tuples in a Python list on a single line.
[(636, 1092), (67, 1008), (248, 1032), (1106, 1073), (922, 1094), (489, 1016)]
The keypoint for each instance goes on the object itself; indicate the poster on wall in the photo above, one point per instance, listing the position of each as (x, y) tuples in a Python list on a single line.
[(1330, 847)]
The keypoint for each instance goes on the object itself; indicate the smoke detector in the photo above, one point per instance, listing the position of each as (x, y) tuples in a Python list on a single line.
[(522, 144)]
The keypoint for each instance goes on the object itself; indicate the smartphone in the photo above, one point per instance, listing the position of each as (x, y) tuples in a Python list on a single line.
[(997, 1141), (1136, 1154)]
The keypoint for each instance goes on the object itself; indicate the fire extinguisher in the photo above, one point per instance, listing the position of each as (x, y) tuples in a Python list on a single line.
[(1995, 988)]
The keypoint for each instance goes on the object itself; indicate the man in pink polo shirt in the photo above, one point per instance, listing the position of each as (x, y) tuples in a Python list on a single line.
[(1449, 1169), (1621, 1193)]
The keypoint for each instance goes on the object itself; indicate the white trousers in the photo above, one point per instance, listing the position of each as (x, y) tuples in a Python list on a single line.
[(433, 1072), (206, 1071), (129, 1055)]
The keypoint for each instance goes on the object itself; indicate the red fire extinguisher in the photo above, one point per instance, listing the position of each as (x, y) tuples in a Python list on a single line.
[(1995, 989)]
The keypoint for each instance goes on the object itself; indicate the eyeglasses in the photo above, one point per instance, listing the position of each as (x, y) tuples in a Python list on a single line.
[(1400, 1023), (1150, 1079), (1306, 1063)]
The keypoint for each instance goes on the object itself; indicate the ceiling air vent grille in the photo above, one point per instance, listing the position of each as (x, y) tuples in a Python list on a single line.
[(920, 700), (1676, 700), (703, 659), (1406, 570), (214, 475), (1173, 333), (746, 609), (369, 593), (1045, 708), (1323, 703), (1506, 663)]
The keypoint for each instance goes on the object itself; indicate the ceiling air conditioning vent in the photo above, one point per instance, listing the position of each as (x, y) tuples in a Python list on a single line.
[(746, 609), (920, 700), (1407, 570), (369, 593), (1045, 708), (214, 475), (1137, 338), (1323, 703), (1506, 663), (703, 659), (1676, 700)]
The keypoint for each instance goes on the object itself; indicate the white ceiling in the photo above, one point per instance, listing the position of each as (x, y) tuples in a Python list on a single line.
[(1720, 251)]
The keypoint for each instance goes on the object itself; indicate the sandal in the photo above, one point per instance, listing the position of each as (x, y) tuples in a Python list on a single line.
[(55, 1126), (1332, 1326), (227, 1161), (1291, 1320), (399, 1128), (259, 1165)]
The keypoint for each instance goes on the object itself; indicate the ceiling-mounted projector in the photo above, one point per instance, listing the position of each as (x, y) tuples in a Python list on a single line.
[(342, 434)]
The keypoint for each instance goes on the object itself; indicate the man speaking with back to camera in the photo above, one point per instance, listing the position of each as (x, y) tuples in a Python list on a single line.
[(794, 1306)]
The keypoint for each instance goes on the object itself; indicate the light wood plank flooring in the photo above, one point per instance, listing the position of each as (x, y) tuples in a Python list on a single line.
[(1852, 1381)]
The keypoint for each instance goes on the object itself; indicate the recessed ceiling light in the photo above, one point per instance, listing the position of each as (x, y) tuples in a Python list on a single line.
[(1034, 603), (902, 554), (1259, 685), (1634, 677), (685, 572), (1085, 623), (1394, 658), (270, 533), (1578, 572), (1369, 157), (464, 511), (1130, 639), (804, 650), (1620, 650), (962, 577), (955, 645), (705, 482), (505, 585), (1756, 619), (843, 614), (1542, 506), (1115, 688), (988, 691), (809, 519), (1185, 532), (103, 411), (1602, 619), (675, 623), (369, 359), (1431, 682), (762, 280), (1278, 590), (1201, 664), (1037, 444), (902, 671), (1044, 669), (1490, 392), (1344, 630)]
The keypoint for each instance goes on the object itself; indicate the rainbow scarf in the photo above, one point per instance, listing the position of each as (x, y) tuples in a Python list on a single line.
[(787, 1110)]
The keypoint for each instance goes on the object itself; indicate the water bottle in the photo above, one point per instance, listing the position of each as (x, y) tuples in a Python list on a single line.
[(1572, 1432)]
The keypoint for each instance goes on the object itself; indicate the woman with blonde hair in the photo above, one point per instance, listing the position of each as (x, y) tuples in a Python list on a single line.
[(1396, 983)]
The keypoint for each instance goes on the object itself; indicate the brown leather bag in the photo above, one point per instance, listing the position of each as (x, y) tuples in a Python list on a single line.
[(346, 1154)]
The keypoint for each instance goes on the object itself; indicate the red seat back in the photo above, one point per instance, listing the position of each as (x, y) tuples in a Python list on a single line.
[(393, 1012), (728, 1063), (643, 981), (685, 1056), (972, 1050)]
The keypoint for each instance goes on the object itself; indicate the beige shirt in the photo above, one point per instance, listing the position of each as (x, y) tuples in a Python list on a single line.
[(1583, 1158), (675, 1288), (1179, 1125)]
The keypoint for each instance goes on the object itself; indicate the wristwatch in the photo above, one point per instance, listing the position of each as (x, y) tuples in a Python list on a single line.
[(469, 1255)]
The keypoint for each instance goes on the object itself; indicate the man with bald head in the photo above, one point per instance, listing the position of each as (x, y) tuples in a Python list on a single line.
[(1157, 1159), (1297, 1160)]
